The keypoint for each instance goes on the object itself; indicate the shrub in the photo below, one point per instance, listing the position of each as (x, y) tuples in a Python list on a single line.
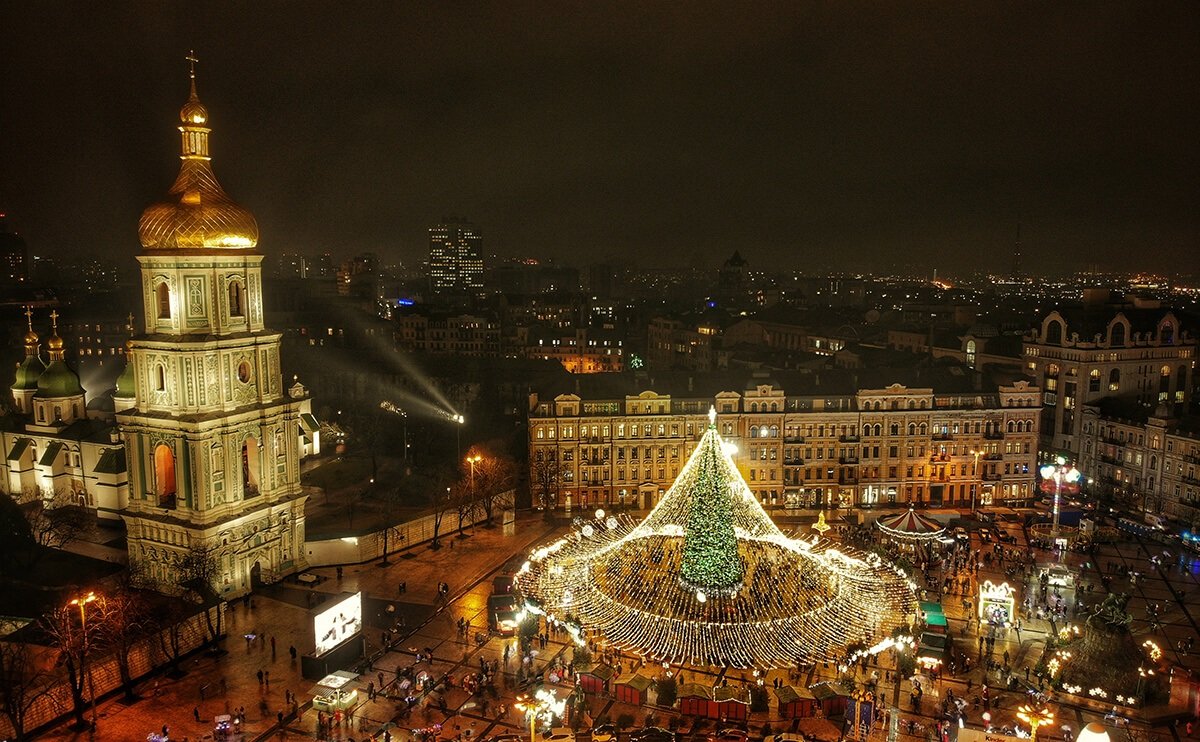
[(624, 721), (668, 691)]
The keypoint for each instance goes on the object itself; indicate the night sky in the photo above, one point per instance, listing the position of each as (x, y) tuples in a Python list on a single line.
[(827, 135)]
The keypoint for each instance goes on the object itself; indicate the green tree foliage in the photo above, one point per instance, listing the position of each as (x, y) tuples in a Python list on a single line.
[(710, 549)]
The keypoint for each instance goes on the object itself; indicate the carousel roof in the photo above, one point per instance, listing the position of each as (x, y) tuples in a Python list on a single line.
[(910, 525)]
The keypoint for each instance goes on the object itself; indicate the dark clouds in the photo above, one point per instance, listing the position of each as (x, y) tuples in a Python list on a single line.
[(833, 133)]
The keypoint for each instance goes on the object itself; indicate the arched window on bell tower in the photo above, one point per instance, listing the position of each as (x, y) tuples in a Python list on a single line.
[(164, 475), (162, 296), (237, 298)]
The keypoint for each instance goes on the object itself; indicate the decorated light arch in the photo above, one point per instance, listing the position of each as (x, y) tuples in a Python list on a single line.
[(708, 579)]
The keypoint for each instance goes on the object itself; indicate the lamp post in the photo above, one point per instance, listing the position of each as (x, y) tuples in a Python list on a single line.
[(1034, 718), (82, 603), (460, 422), (473, 460), (1060, 472), (975, 475), (545, 703)]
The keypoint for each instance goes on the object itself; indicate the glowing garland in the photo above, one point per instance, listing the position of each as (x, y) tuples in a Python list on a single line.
[(757, 599)]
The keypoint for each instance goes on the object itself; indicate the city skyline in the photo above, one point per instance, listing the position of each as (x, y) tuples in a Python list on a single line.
[(851, 137)]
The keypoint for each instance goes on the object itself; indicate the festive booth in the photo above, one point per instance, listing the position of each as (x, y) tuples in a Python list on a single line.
[(934, 651), (694, 699), (632, 689), (932, 618), (911, 528), (596, 679), (794, 703), (830, 697), (730, 703), (997, 603)]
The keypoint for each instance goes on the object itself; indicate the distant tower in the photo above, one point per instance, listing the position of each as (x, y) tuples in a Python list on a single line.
[(1016, 264), (455, 257)]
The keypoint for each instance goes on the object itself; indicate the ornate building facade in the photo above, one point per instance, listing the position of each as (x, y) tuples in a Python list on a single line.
[(874, 446), (1079, 356), (211, 433)]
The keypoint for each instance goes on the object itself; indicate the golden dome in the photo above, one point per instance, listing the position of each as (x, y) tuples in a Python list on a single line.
[(54, 343), (31, 338), (196, 212), (193, 112)]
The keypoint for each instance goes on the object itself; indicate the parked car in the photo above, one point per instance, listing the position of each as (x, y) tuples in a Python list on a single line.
[(786, 737), (604, 733), (961, 534), (653, 734), (559, 734), (985, 534), (504, 738), (729, 735)]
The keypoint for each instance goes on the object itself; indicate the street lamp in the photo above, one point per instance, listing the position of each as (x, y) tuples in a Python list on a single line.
[(82, 603), (1060, 471), (1034, 718), (543, 704), (473, 460), (975, 475), (461, 421)]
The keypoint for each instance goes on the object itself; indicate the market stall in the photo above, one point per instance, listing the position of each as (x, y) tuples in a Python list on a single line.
[(332, 694), (731, 703), (997, 603), (794, 703), (632, 689), (596, 679), (694, 699)]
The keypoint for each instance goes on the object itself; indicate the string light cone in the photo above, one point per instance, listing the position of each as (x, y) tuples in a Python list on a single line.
[(708, 579)]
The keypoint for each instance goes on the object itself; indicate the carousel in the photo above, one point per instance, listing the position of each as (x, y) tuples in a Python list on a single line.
[(911, 529), (708, 579)]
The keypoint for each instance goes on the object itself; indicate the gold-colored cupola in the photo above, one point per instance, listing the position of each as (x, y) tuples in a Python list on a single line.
[(196, 213)]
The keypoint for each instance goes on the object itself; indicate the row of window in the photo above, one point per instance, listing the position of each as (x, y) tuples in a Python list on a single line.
[(235, 292)]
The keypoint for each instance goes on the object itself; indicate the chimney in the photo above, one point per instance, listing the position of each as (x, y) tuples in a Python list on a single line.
[(689, 385)]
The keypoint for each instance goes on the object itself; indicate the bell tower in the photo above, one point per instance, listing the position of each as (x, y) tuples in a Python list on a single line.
[(211, 438)]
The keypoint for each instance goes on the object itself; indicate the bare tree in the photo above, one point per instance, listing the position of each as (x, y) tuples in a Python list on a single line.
[(23, 680), (440, 503), (16, 537), (547, 474), (494, 474), (200, 570), (55, 517), (124, 620), (74, 636), (464, 501)]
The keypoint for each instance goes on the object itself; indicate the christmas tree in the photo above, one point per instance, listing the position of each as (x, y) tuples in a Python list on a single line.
[(710, 548)]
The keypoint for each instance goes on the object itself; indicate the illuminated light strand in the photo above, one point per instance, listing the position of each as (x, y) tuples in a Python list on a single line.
[(797, 600)]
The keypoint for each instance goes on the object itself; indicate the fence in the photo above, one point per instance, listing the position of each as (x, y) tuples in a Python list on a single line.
[(146, 657), (368, 546)]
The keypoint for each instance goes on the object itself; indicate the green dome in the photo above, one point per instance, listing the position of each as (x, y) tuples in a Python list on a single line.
[(125, 382), (28, 372), (58, 380)]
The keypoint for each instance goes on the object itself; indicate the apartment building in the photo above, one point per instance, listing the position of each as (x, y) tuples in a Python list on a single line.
[(888, 445)]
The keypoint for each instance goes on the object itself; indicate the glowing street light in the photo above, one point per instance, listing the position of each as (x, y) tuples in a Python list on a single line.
[(1034, 718), (544, 704), (82, 603), (1060, 471), (473, 460)]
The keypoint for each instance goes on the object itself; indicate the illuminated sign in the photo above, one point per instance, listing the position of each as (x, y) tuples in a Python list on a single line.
[(338, 623), (997, 603)]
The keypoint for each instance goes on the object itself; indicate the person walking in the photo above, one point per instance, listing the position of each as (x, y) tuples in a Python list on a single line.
[(260, 677)]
